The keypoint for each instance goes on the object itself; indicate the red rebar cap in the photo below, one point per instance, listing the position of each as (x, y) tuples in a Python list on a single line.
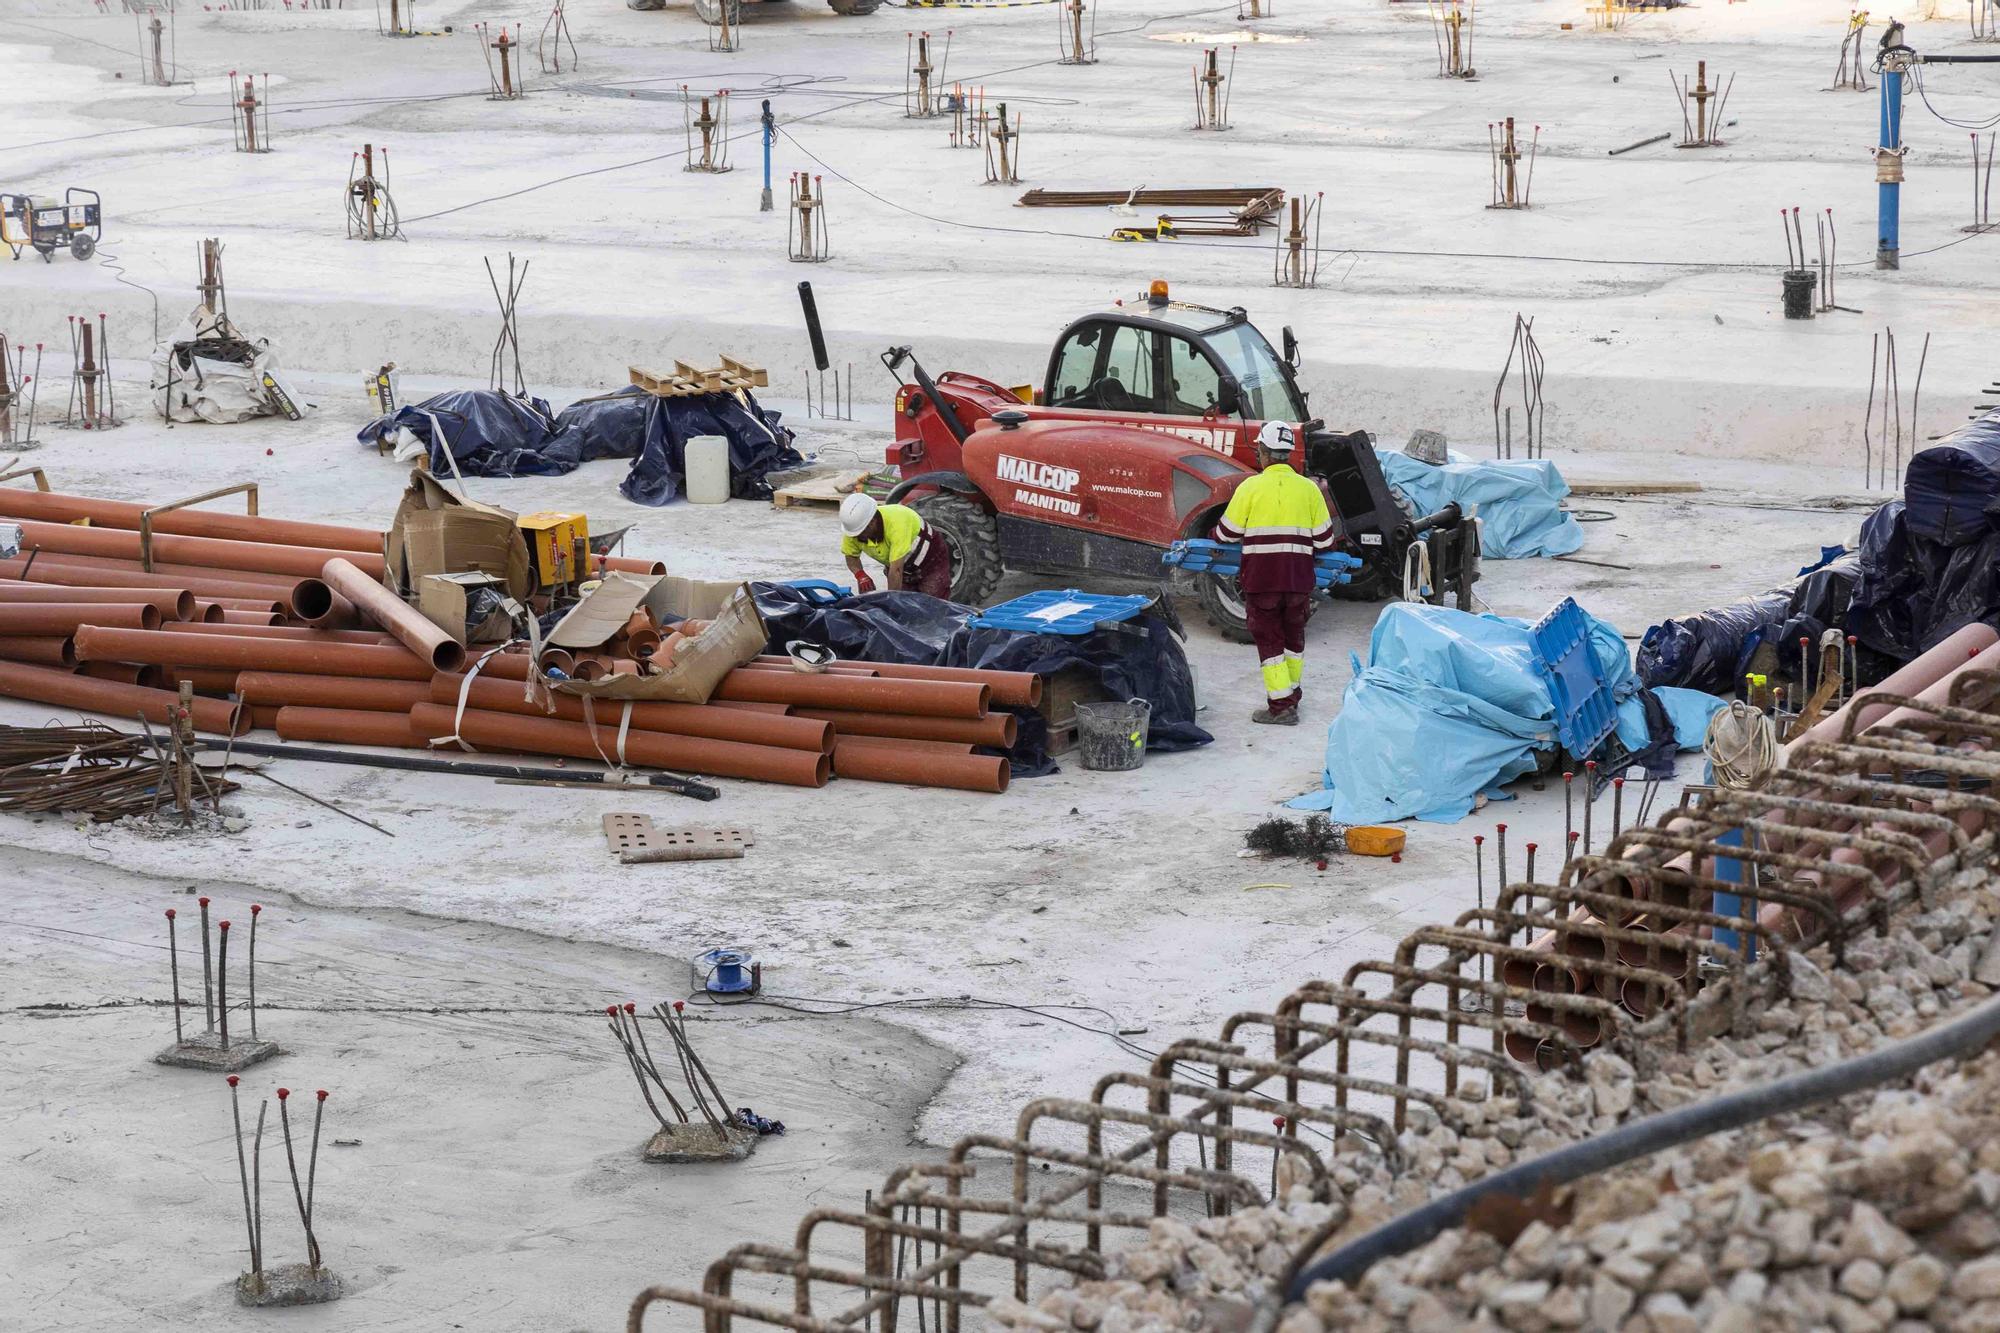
[(170, 914), (679, 1005), (255, 908), (321, 1094), (631, 1008), (224, 927), (1278, 1120), (232, 1080), (1500, 828), (611, 1009), (284, 1093), (202, 901), (1574, 835)]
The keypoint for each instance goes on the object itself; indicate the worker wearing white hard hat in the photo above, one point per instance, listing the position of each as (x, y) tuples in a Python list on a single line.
[(1280, 519), (912, 555)]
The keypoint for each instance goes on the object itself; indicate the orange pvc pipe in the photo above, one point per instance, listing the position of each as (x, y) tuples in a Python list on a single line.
[(42, 650), (171, 603), (1910, 680), (243, 604), (1011, 689), (167, 648), (125, 673), (303, 633), (348, 726), (65, 689), (263, 717), (217, 681), (995, 729), (630, 565), (375, 602), (54, 507), (208, 613), (649, 749), (505, 696), (854, 757), (252, 619), (785, 664), (112, 574), (926, 698), (205, 552), (64, 617), (345, 693)]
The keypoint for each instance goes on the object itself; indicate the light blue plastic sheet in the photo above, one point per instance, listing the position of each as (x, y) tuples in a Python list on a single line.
[(1452, 705), (1520, 500)]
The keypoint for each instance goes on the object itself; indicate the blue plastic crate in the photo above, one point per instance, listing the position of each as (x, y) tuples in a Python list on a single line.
[(1067, 611), (1585, 710), (1200, 555)]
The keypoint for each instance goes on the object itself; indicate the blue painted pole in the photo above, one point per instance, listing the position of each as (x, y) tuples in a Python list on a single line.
[(1889, 171), (770, 138)]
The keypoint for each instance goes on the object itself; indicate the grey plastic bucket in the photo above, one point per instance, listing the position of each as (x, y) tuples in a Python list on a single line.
[(1112, 737)]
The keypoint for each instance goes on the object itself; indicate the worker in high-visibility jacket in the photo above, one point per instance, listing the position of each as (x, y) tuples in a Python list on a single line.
[(912, 554), (1281, 521)]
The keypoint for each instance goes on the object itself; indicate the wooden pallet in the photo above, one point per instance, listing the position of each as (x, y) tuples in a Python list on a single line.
[(819, 492), (686, 381)]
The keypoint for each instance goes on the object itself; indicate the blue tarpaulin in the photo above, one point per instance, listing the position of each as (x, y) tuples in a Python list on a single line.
[(491, 434), (1520, 500), (1452, 705)]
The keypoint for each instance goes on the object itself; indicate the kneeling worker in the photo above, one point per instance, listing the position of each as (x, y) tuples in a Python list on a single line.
[(912, 554), (1281, 520)]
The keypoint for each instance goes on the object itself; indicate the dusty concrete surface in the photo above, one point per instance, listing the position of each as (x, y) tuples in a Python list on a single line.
[(496, 1182)]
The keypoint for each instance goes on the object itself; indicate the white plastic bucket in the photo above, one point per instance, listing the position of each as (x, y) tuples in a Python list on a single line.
[(708, 469)]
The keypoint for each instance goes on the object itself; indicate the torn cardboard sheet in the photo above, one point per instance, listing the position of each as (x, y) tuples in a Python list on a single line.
[(735, 635), (436, 532), (603, 611)]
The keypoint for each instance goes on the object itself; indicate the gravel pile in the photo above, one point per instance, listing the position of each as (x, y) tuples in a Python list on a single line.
[(1880, 1212)]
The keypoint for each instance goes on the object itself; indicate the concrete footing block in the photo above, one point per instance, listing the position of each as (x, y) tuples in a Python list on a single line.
[(293, 1284), (206, 1051), (700, 1143)]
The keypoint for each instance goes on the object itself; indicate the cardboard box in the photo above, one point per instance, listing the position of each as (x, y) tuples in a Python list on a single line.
[(447, 600), (437, 532)]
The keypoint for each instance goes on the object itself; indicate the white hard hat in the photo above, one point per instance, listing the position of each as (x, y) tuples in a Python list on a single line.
[(857, 511), (1277, 437)]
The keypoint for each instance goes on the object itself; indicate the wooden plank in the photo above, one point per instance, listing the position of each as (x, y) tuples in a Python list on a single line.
[(1634, 487), (822, 492)]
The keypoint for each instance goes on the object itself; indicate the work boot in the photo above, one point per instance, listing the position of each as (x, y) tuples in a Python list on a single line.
[(1276, 717)]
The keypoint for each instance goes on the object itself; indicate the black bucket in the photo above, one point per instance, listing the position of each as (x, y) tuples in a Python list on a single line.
[(1800, 286)]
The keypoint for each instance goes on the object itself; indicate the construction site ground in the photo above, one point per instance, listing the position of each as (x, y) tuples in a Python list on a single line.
[(446, 982)]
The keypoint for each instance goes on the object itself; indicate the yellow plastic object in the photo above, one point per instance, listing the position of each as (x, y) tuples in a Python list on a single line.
[(1024, 392), (554, 541), (1374, 840), (1158, 291)]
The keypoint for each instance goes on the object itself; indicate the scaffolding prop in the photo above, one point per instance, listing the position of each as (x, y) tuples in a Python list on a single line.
[(1003, 157), (805, 228), (1451, 27), (1705, 127), (1982, 184), (159, 64), (91, 402), (401, 20), (1852, 72), (1076, 39), (506, 362), (707, 131), (19, 387), (1212, 88), (371, 209), (506, 77), (1296, 251), (1255, 9), (1884, 451), (968, 115), (725, 23), (1511, 184), (214, 292), (251, 125), (1528, 352), (923, 78), (554, 37)]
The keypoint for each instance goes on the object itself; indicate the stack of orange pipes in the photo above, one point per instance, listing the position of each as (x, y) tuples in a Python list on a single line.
[(287, 625)]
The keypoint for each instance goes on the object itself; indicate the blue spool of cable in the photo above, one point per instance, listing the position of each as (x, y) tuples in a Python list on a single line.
[(727, 971)]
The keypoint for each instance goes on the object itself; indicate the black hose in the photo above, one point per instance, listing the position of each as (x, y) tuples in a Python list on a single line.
[(701, 791), (1641, 1138)]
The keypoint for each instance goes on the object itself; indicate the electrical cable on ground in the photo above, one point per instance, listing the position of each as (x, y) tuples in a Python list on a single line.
[(1742, 747)]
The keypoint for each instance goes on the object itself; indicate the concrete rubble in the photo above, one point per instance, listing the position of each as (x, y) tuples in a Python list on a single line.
[(1877, 1213)]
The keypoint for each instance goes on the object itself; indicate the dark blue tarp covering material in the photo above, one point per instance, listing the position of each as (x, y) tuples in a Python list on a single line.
[(1913, 593), (1952, 489), (1711, 650), (492, 434), (1141, 659)]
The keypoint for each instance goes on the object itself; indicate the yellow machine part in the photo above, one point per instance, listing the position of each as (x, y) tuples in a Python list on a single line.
[(554, 543)]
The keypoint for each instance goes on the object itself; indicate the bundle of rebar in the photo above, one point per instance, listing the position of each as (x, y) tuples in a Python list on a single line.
[(90, 769), (1247, 208), (287, 626)]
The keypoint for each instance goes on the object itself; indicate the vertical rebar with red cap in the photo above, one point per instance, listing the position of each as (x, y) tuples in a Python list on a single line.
[(207, 970), (174, 963), (251, 970), (250, 1218), (222, 980)]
